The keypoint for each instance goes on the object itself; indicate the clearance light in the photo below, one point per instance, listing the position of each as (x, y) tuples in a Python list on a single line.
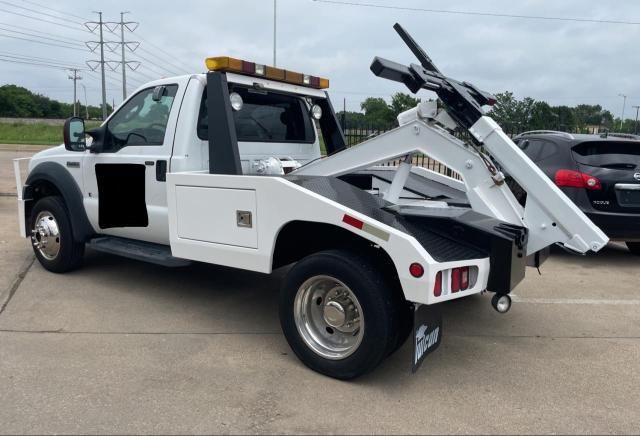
[(225, 63)]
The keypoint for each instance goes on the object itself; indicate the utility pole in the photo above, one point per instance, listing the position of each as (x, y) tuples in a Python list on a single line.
[(124, 63), (75, 78), (635, 128), (624, 103), (86, 105), (274, 32), (93, 64), (131, 45)]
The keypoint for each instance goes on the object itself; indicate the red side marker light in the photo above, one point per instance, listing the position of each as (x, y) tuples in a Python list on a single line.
[(416, 270), (437, 287)]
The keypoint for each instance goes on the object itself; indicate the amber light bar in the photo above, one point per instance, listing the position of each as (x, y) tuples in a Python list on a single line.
[(225, 63)]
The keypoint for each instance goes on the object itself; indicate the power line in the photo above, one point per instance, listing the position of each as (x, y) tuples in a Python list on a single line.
[(38, 12), (43, 20), (30, 29), (166, 62), (41, 42), (160, 50), (485, 14), (55, 10), (14, 61), (146, 76), (34, 35), (155, 65), (38, 59), (110, 82)]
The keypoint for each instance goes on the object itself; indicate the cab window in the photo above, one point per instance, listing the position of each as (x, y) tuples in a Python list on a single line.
[(143, 119), (265, 117)]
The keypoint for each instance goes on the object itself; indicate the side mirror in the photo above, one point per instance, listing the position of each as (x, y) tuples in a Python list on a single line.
[(158, 92), (74, 134)]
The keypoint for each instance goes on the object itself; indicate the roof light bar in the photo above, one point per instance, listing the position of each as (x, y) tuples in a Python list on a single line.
[(225, 63)]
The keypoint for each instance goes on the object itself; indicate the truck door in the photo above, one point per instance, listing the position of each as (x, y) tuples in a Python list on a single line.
[(125, 193)]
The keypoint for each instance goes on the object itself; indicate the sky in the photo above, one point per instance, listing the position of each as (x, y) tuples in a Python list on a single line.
[(558, 61)]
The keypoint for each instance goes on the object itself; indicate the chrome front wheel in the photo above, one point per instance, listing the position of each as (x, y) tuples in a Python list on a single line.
[(45, 235), (329, 317)]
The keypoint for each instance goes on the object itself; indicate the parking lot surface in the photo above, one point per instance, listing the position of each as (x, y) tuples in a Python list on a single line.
[(121, 346)]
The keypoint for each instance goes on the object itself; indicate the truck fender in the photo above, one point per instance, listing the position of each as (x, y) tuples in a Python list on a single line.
[(298, 239), (54, 174)]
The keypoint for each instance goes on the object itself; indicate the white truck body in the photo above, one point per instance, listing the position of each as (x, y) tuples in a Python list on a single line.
[(238, 220)]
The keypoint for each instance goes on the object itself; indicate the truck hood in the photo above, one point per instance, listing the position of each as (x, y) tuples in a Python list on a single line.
[(47, 154)]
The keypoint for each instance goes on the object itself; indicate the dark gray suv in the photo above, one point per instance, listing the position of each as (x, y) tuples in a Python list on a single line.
[(600, 173)]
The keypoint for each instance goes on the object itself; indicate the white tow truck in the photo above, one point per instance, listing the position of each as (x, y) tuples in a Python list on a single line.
[(226, 168)]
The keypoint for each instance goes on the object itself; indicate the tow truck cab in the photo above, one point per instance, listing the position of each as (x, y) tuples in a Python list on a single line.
[(163, 127)]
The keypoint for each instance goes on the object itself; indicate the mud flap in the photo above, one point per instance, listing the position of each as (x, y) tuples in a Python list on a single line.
[(427, 332)]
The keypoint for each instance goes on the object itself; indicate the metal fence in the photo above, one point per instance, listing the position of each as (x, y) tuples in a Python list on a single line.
[(357, 135)]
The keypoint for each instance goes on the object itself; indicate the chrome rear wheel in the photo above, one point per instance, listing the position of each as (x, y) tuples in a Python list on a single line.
[(329, 317)]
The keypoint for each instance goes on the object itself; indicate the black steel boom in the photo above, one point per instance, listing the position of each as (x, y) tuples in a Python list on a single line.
[(463, 100)]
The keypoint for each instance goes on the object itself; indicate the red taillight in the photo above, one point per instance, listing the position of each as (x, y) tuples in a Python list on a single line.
[(437, 287), (416, 270), (576, 179), (460, 279), (455, 280)]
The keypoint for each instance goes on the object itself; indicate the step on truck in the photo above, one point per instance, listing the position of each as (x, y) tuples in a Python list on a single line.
[(227, 168)]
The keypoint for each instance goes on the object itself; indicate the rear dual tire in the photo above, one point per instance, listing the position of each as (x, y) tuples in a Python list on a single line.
[(340, 315)]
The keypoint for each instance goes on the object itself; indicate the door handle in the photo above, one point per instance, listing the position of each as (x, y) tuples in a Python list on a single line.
[(161, 170)]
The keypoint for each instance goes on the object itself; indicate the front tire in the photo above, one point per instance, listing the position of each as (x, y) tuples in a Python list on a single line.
[(338, 314), (52, 237), (634, 247)]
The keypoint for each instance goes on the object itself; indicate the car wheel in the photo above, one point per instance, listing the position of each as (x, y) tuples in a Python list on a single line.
[(338, 314), (52, 237), (634, 247)]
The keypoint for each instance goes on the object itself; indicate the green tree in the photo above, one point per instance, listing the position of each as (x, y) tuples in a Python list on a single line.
[(377, 113), (352, 120), (401, 102), (16, 101), (542, 116), (512, 114)]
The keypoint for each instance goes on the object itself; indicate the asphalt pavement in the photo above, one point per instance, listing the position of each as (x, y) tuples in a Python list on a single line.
[(121, 346)]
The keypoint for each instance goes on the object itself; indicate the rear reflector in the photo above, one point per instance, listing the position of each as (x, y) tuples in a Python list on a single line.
[(416, 270), (437, 287), (576, 179), (355, 222), (368, 228)]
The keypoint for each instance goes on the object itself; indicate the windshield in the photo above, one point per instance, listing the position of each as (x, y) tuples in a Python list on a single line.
[(266, 117), (623, 154)]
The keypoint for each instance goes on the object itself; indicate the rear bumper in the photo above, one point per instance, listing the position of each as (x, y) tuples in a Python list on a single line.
[(620, 226)]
